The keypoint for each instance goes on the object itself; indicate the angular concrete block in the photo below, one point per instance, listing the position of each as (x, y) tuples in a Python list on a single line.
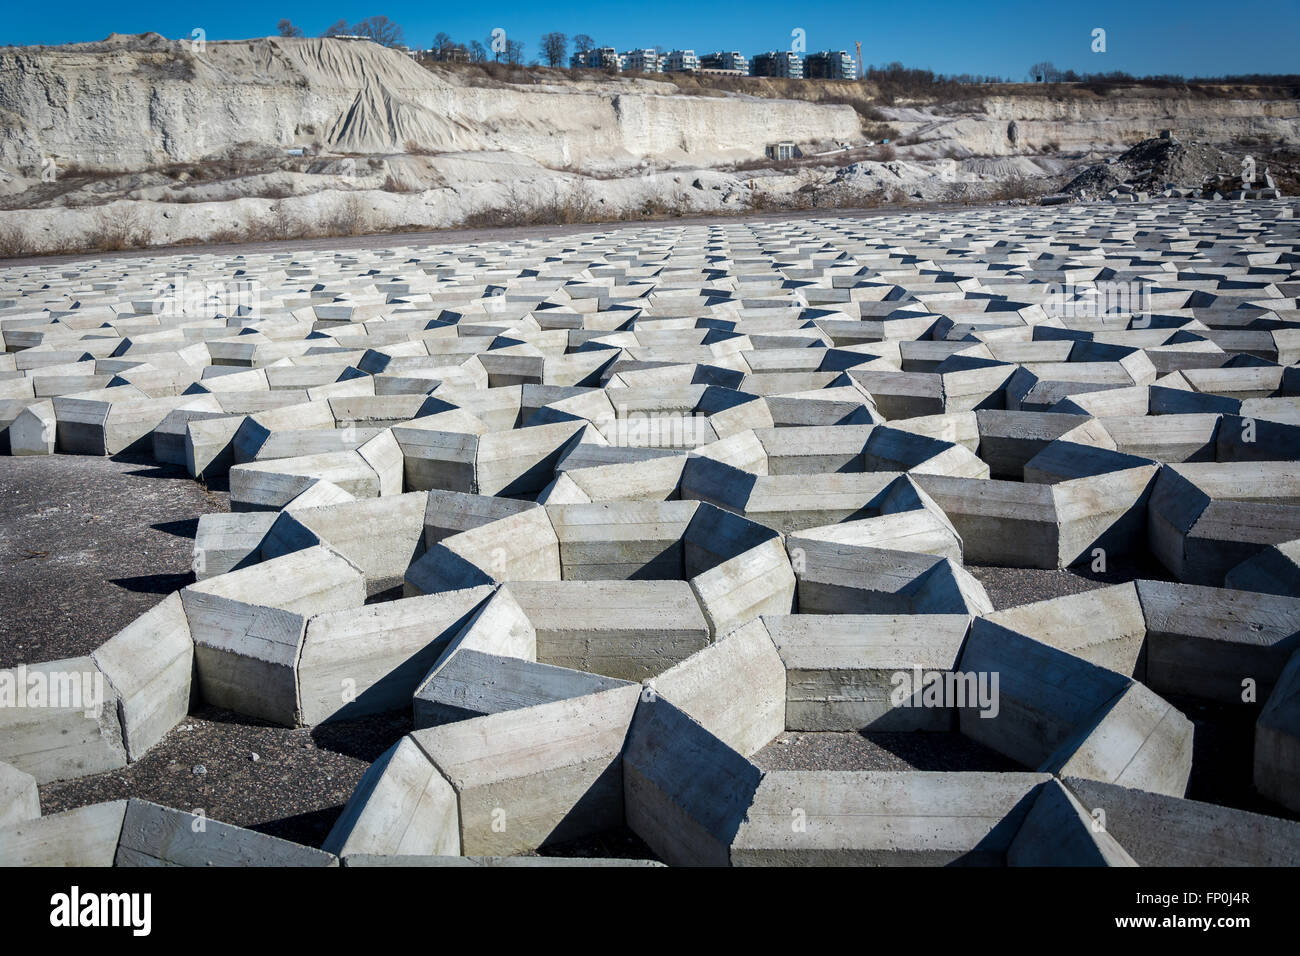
[(518, 547), (1217, 644), (402, 806), (1105, 626), (59, 720), (631, 630), (856, 671), (734, 688), (1139, 740), (19, 799), (868, 818), (248, 628), (468, 683), (1160, 830), (1277, 740), (371, 659), (150, 663), (1058, 831), (686, 792), (1274, 570), (543, 774), (227, 540), (1044, 694), (34, 431), (622, 540), (153, 835), (381, 536), (738, 569), (83, 837)]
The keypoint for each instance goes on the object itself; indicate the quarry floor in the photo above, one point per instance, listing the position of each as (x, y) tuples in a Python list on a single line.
[(436, 237), (88, 544)]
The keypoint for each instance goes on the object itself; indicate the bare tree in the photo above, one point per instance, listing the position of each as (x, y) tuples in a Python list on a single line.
[(286, 28), (1044, 72), (514, 52), (476, 52), (441, 44), (583, 43), (380, 29), (336, 29), (554, 48)]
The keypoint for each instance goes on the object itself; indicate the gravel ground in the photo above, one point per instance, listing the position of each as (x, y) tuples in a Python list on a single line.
[(295, 789), (87, 545), (1012, 587), (867, 750)]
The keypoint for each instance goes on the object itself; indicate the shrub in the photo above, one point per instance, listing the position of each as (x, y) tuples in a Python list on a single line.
[(14, 241), (118, 228)]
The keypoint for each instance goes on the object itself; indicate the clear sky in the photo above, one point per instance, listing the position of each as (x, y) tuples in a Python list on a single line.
[(1194, 37)]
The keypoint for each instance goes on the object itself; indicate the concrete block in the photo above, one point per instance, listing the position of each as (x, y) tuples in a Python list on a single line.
[(686, 792), (1160, 830), (225, 541), (149, 664), (1277, 740), (1217, 644), (1274, 570), (83, 837), (735, 688), (34, 431), (1138, 740), (524, 460), (549, 773), (248, 628), (1105, 626), (856, 671), (381, 536), (451, 512), (630, 630), (59, 720), (19, 799), (622, 540), (1044, 694), (869, 818), (270, 485), (518, 547), (1058, 831), (153, 835), (738, 569), (1205, 519), (402, 806), (468, 683), (846, 578), (371, 659), (439, 450)]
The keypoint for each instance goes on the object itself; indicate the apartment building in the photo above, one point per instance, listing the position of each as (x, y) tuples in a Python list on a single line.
[(643, 61), (725, 61), (601, 58), (681, 61), (830, 65), (777, 63)]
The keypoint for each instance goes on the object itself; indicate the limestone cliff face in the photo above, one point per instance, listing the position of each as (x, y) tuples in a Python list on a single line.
[(134, 102), (1082, 123)]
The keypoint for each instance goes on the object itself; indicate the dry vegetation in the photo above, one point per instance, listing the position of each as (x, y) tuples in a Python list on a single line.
[(118, 228)]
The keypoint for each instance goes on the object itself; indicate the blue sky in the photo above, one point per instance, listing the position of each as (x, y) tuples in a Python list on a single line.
[(1196, 37)]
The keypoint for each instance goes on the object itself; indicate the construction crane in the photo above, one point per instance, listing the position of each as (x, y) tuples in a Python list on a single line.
[(858, 68)]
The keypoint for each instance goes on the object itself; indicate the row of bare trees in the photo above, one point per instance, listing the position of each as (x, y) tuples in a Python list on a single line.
[(499, 47), (380, 29)]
